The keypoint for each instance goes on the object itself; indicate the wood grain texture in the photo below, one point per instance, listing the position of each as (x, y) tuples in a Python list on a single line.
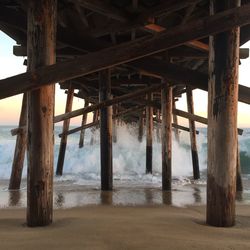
[(166, 137), (105, 132), (126, 52), (222, 122), (41, 52)]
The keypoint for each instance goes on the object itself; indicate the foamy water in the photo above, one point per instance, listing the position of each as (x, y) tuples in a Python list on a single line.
[(80, 184), (128, 156)]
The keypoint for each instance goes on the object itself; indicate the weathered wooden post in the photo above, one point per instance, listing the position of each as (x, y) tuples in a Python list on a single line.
[(84, 120), (105, 132), (149, 134), (166, 137), (222, 121), (41, 43), (63, 143), (175, 121), (194, 152), (140, 128), (20, 149)]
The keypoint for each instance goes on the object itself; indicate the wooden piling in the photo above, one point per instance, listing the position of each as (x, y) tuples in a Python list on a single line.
[(194, 151), (166, 137), (20, 149), (149, 134), (105, 132), (140, 127), (41, 40), (222, 121), (175, 120), (158, 116), (84, 120), (63, 143)]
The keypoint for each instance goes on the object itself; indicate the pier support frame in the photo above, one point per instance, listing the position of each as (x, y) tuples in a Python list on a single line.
[(63, 143), (149, 134), (194, 151), (106, 132), (166, 137), (40, 147), (222, 121), (20, 149)]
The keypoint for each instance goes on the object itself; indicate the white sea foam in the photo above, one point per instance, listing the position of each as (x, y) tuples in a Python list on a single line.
[(83, 165), (128, 156)]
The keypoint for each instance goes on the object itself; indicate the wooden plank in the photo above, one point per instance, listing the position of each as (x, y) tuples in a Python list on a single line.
[(166, 101), (63, 143), (149, 136), (41, 52), (125, 52), (222, 122), (20, 149), (194, 151)]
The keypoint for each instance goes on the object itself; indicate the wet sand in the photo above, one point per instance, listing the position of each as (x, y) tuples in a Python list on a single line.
[(115, 227)]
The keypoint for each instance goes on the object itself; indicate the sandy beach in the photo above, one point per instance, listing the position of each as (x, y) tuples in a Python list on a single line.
[(119, 227)]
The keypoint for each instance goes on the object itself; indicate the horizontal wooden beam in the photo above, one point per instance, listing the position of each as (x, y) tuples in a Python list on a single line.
[(115, 116), (196, 118), (99, 6), (177, 126), (165, 8), (126, 52), (179, 75), (110, 102)]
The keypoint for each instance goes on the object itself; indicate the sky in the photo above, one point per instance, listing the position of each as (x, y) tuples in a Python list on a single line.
[(11, 65)]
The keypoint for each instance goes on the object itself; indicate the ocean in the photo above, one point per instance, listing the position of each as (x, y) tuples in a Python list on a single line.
[(80, 183)]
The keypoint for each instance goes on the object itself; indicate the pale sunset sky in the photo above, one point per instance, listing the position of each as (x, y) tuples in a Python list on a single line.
[(10, 107)]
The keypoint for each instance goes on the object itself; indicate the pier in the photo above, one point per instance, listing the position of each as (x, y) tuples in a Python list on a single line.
[(130, 61)]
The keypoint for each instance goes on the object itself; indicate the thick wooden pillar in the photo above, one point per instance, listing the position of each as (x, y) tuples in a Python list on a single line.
[(194, 151), (41, 43), (84, 120), (175, 121), (63, 143), (239, 183), (222, 121), (106, 132), (20, 149), (140, 127), (166, 137), (149, 135)]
